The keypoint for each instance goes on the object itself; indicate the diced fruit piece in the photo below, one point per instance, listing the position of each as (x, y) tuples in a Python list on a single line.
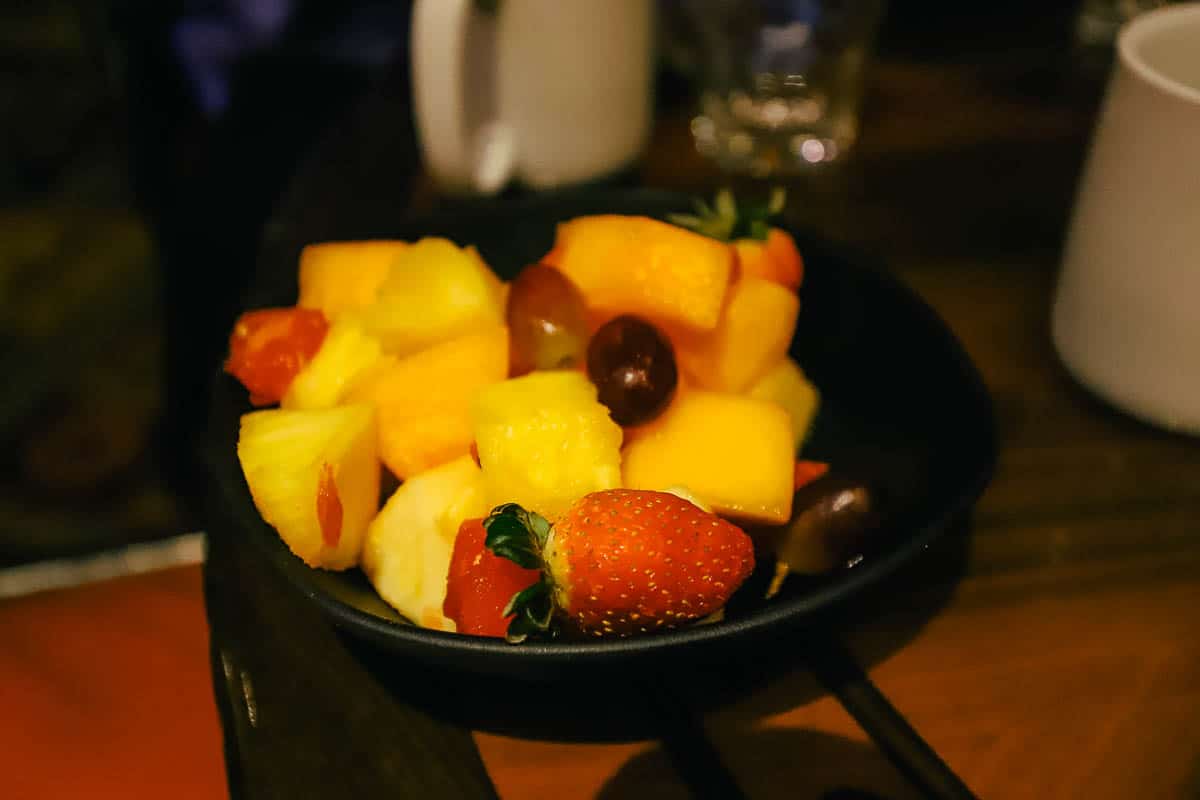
[(498, 286), (621, 562), (633, 367), (346, 355), (544, 441), (547, 321), (775, 259), (480, 584), (642, 266), (434, 291), (753, 335), (406, 554), (424, 399), (787, 385), (343, 276), (314, 476), (808, 471), (270, 346), (734, 452)]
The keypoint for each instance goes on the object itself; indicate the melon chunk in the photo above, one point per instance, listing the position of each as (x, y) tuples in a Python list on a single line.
[(638, 265), (733, 452), (787, 385), (343, 276), (753, 335), (424, 400)]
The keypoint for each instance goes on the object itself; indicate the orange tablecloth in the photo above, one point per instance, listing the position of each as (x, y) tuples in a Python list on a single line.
[(1088, 690), (107, 693)]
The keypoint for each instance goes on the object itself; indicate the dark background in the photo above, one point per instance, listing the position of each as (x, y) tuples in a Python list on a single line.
[(130, 214)]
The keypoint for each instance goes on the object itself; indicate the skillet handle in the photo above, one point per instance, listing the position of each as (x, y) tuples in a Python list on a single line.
[(694, 757), (838, 671)]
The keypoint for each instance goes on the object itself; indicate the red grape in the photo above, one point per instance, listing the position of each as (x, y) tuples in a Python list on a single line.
[(547, 321), (633, 367)]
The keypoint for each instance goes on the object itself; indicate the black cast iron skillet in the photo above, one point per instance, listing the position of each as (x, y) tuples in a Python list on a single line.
[(902, 408)]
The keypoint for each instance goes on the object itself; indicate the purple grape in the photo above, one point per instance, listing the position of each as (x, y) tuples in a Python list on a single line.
[(633, 367)]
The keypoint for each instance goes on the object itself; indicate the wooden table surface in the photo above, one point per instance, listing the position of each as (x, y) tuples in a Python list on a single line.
[(1065, 664)]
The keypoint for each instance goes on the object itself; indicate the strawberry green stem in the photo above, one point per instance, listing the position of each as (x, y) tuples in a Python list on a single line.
[(520, 536), (727, 219)]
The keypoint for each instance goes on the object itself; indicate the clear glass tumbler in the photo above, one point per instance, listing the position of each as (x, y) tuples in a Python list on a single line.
[(780, 80)]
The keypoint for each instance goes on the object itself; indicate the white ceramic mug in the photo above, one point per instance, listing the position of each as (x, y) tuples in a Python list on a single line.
[(549, 92), (1126, 318)]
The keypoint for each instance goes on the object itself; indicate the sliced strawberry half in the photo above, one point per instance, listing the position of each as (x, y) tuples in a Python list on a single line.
[(480, 584)]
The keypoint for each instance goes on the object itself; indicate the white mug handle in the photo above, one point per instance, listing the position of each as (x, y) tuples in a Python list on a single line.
[(464, 146)]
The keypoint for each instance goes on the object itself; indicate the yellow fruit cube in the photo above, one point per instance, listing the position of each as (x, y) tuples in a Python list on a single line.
[(544, 441), (498, 286), (787, 385), (754, 334), (424, 400), (407, 550), (638, 265), (434, 292), (314, 476), (346, 355), (343, 276), (731, 451)]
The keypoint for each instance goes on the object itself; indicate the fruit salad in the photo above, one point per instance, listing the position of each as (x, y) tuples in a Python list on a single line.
[(602, 447)]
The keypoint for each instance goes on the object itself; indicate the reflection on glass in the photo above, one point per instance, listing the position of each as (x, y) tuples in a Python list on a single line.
[(780, 79)]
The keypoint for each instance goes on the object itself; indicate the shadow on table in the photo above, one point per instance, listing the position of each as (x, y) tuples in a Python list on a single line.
[(785, 763)]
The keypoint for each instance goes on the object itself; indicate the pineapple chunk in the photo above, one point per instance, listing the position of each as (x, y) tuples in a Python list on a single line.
[(314, 476), (424, 400), (343, 276), (544, 441), (346, 355), (407, 551), (733, 452), (434, 292), (787, 386)]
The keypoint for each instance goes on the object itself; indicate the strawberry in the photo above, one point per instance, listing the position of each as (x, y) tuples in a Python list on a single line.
[(808, 471), (480, 584), (761, 250), (270, 346), (620, 562)]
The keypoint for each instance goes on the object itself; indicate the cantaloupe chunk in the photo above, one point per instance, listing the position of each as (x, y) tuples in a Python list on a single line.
[(787, 385), (733, 452), (753, 335), (638, 265), (342, 276), (424, 400)]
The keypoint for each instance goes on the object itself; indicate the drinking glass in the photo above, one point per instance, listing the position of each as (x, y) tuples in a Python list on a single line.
[(780, 80)]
